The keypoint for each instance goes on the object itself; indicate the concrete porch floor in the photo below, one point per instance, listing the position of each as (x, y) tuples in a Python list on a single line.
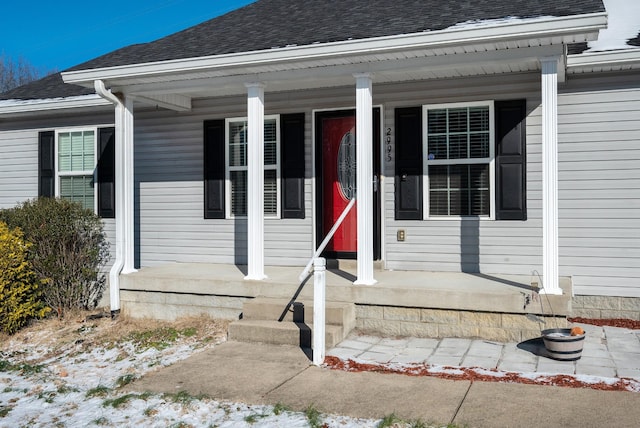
[(409, 289)]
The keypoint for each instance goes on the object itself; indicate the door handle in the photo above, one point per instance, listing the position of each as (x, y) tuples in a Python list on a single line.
[(375, 183)]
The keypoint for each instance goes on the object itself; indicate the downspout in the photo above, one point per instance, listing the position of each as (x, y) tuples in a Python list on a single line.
[(118, 264)]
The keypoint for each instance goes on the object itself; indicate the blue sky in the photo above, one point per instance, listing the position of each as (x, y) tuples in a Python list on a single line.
[(59, 34)]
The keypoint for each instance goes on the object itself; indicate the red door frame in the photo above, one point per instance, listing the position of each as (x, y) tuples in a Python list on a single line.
[(320, 186)]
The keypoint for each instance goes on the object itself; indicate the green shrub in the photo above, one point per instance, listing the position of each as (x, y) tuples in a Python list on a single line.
[(20, 289), (69, 249)]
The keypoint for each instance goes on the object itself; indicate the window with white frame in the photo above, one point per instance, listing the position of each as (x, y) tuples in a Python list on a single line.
[(236, 154), (76, 162), (460, 157)]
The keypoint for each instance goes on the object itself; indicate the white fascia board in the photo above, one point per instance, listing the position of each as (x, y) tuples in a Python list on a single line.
[(17, 107), (584, 27), (587, 60)]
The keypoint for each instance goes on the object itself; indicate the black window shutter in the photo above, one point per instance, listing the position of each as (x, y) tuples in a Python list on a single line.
[(408, 173), (46, 164), (511, 160), (106, 172), (292, 165), (214, 169)]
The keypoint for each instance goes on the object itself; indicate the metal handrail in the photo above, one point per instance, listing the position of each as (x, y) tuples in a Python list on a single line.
[(326, 240)]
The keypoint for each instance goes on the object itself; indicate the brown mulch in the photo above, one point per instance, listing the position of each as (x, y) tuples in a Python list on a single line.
[(611, 322), (473, 375)]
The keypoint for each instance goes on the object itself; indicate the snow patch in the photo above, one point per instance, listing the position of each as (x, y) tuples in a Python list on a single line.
[(76, 386), (624, 24), (479, 23), (19, 102)]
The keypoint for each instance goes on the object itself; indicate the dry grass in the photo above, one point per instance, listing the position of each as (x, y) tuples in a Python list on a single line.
[(98, 329)]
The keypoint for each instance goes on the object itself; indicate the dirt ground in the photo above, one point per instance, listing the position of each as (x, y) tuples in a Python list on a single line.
[(98, 328)]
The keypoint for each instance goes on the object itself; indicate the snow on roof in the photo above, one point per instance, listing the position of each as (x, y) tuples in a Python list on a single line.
[(16, 101), (498, 21), (624, 24)]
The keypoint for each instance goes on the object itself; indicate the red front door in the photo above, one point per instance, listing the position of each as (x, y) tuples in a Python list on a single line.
[(338, 139)]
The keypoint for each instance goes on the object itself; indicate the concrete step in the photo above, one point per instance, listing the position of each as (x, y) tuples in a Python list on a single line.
[(262, 308), (282, 333)]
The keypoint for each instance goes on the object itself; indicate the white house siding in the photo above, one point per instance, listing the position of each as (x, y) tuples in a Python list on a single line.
[(18, 166), (487, 246), (599, 184), (19, 158)]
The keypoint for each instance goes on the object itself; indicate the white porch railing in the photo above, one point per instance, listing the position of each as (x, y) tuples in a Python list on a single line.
[(326, 240), (319, 295)]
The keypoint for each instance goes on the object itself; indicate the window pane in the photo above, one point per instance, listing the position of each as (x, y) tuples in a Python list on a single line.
[(459, 190), (78, 189), (458, 204), (479, 176), (64, 152), (437, 120), (478, 119), (270, 141), (437, 147), (438, 177), (458, 120), (479, 200), (439, 202), (459, 133), (270, 193), (458, 146), (458, 176), (88, 162), (76, 151), (479, 145), (238, 144), (239, 193), (237, 152)]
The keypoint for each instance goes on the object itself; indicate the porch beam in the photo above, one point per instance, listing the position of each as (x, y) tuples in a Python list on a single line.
[(550, 264), (340, 72), (255, 181), (364, 178), (171, 101)]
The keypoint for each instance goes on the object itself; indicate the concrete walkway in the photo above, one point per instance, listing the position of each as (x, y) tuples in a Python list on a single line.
[(270, 374)]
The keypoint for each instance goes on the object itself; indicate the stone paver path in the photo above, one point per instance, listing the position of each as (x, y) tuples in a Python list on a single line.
[(608, 352)]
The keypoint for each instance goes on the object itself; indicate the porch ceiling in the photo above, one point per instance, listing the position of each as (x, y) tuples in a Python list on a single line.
[(386, 68)]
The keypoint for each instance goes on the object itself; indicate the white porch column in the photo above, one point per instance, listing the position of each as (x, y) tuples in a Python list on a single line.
[(255, 181), (128, 187), (550, 269), (364, 178)]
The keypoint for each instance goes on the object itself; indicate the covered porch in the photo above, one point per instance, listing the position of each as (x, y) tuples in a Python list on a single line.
[(401, 303)]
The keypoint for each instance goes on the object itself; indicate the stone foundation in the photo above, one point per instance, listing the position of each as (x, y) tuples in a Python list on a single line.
[(439, 323), (170, 306), (601, 307)]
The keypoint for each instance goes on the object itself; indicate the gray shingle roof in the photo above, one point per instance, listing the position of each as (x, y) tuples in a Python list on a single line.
[(267, 24), (277, 23), (51, 86)]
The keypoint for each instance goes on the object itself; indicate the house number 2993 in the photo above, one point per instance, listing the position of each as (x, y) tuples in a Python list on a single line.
[(387, 144)]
